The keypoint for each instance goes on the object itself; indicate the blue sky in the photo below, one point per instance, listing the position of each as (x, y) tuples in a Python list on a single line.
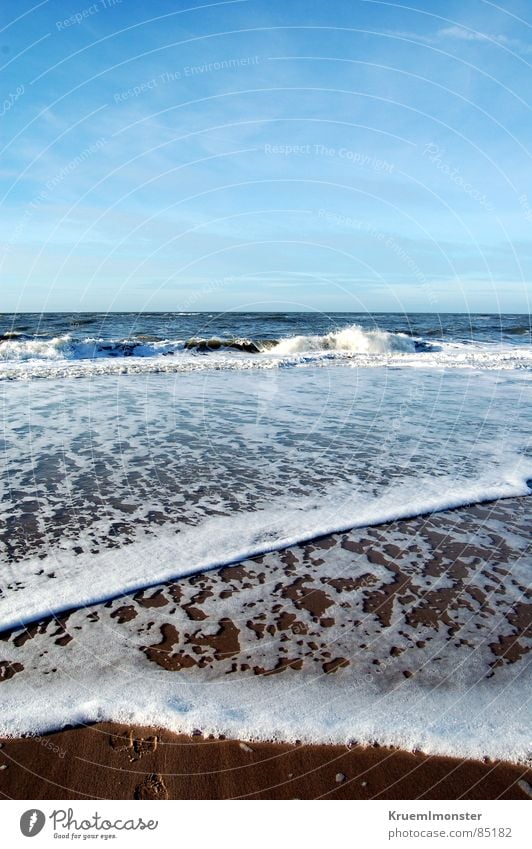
[(266, 155)]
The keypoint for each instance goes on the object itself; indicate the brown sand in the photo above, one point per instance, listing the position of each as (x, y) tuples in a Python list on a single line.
[(108, 761)]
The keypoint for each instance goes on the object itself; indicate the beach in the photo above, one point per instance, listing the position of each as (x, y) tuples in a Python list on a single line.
[(265, 443), (267, 532)]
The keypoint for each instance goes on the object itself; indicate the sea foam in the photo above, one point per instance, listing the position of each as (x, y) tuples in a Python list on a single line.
[(138, 482)]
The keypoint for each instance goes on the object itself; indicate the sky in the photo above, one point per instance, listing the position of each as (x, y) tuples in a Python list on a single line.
[(266, 155)]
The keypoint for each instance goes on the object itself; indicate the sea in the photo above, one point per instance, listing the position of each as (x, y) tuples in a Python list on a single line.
[(137, 448)]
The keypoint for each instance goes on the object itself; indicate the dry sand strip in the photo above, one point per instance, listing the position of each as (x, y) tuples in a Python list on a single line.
[(108, 761)]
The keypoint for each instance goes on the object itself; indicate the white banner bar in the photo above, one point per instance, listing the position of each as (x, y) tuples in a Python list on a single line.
[(258, 824)]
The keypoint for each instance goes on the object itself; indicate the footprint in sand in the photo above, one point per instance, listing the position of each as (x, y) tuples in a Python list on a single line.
[(152, 787), (135, 747)]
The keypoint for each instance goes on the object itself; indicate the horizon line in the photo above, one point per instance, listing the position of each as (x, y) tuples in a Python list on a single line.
[(258, 312)]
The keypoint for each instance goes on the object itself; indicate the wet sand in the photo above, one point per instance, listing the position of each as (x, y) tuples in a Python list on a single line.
[(108, 761)]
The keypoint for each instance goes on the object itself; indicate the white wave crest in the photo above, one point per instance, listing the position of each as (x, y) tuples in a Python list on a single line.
[(56, 348), (353, 339), (64, 347)]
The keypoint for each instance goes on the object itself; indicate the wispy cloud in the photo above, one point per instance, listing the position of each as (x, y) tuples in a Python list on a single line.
[(461, 33), (464, 34)]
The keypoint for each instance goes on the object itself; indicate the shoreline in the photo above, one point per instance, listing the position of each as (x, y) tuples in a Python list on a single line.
[(412, 634), (258, 553), (111, 761)]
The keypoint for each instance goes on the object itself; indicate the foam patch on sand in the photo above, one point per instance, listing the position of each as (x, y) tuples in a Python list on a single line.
[(414, 634)]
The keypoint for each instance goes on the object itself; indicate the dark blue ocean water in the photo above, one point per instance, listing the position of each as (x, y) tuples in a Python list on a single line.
[(178, 326)]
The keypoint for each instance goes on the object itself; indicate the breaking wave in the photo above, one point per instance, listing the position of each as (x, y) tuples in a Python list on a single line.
[(354, 340), (25, 356)]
